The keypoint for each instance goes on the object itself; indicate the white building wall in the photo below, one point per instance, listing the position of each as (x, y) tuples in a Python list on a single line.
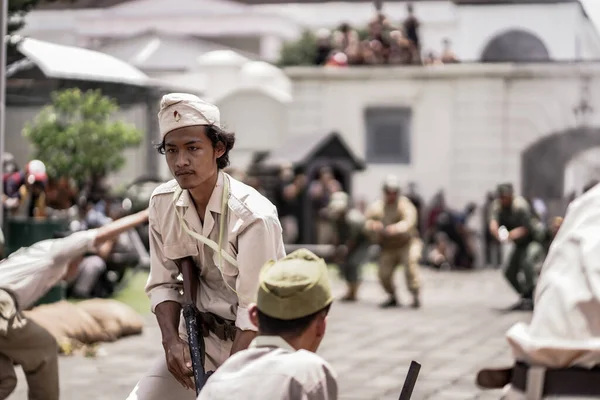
[(479, 24), (471, 123)]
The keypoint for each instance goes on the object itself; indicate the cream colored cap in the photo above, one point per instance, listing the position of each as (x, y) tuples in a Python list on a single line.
[(178, 110)]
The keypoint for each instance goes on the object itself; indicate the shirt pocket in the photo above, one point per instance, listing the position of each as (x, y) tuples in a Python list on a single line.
[(176, 251)]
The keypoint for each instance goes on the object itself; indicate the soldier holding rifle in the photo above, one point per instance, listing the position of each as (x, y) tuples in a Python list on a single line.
[(227, 228)]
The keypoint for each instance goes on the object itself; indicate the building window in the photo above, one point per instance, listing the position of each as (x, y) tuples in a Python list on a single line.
[(388, 135)]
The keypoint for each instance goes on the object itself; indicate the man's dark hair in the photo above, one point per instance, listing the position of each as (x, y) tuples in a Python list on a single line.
[(216, 135), (345, 27), (590, 185), (280, 327)]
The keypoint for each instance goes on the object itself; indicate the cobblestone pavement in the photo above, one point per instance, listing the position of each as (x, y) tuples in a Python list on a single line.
[(459, 329)]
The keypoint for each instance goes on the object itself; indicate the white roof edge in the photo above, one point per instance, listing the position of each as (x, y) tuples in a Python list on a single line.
[(274, 93), (68, 62)]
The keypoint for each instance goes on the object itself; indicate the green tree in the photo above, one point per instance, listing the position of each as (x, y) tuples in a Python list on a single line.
[(76, 137), (300, 52)]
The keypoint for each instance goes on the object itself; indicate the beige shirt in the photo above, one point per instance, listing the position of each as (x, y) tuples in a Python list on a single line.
[(252, 236), (31, 271), (272, 369), (565, 328), (403, 215)]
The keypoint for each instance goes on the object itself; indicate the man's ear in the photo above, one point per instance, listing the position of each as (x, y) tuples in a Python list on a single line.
[(321, 325), (253, 312), (219, 149)]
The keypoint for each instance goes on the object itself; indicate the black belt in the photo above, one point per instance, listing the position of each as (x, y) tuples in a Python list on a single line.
[(573, 381)]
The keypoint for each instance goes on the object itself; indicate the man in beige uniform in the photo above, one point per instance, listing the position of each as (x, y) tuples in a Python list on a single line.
[(392, 223), (25, 276), (228, 228), (294, 297), (558, 354)]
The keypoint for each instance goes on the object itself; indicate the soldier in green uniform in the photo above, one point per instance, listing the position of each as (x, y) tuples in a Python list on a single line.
[(512, 220), (352, 244)]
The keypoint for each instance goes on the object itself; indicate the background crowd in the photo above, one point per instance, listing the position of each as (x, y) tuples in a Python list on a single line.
[(382, 42)]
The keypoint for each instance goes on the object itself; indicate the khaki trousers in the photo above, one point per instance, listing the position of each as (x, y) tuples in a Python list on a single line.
[(35, 350), (159, 384), (409, 257)]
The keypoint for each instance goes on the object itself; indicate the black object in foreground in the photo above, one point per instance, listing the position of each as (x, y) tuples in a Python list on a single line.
[(411, 379), (190, 315)]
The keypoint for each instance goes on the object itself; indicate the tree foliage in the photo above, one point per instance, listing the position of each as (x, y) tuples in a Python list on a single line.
[(300, 52), (304, 50), (76, 137)]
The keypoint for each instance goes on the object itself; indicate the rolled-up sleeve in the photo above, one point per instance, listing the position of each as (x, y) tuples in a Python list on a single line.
[(409, 222), (162, 284), (261, 242), (66, 249)]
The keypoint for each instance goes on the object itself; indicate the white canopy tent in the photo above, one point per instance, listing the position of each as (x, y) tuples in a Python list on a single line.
[(67, 62)]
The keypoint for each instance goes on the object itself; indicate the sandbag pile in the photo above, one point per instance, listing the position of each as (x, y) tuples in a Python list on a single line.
[(86, 323)]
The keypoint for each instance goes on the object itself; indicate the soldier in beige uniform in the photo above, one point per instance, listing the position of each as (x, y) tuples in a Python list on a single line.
[(392, 223), (227, 227), (25, 276), (558, 353), (294, 297)]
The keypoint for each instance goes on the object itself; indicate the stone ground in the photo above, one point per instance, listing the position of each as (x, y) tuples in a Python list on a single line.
[(459, 330)]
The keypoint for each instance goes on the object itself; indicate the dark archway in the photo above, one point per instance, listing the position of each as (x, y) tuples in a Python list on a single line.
[(543, 163), (515, 46)]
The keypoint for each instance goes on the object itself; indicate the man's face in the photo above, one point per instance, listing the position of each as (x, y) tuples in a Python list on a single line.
[(190, 155), (326, 176), (506, 200), (390, 195)]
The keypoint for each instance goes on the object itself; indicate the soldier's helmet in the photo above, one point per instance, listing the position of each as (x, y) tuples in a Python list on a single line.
[(391, 184)]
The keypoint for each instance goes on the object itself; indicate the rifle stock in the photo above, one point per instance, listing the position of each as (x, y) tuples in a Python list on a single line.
[(411, 379), (190, 314)]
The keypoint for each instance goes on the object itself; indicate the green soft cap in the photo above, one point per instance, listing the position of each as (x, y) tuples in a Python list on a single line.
[(505, 189), (294, 287)]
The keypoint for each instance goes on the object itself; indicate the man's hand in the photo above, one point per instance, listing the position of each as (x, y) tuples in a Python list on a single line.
[(179, 362), (374, 226), (242, 340), (391, 230)]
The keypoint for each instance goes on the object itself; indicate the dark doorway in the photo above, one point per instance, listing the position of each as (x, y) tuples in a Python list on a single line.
[(543, 163), (515, 46), (308, 154)]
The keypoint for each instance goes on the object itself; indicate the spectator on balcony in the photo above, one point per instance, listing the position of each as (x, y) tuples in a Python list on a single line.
[(324, 46), (345, 37), (411, 28), (448, 56), (337, 59), (401, 48), (432, 59)]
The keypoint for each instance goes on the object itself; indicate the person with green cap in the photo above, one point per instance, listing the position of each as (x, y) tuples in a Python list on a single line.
[(352, 244), (293, 301), (512, 221)]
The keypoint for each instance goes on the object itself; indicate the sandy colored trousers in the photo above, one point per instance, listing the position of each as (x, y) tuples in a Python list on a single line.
[(35, 350), (409, 257), (159, 384)]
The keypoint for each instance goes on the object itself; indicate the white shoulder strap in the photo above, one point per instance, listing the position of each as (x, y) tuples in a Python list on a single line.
[(217, 248)]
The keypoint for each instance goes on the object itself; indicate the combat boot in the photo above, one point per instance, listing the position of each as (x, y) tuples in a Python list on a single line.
[(351, 292), (391, 302), (416, 301)]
